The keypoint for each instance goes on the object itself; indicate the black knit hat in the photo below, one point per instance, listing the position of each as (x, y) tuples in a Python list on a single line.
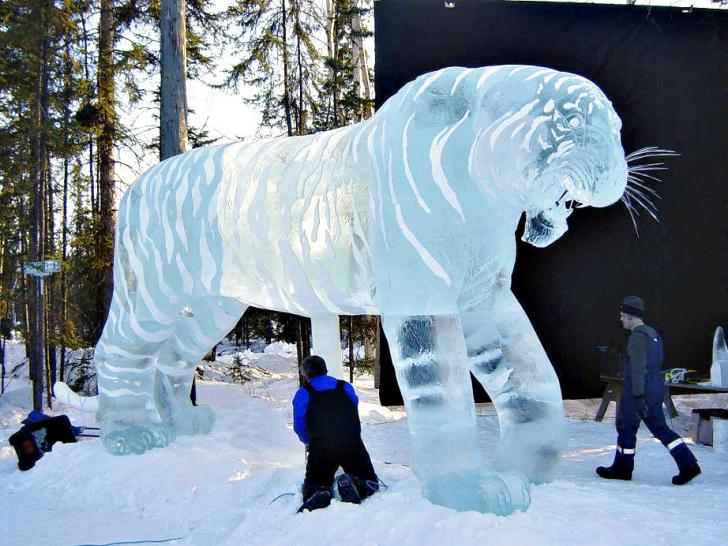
[(313, 365), (633, 305)]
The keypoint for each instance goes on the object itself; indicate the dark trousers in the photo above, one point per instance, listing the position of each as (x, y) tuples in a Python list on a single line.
[(324, 460), (628, 422)]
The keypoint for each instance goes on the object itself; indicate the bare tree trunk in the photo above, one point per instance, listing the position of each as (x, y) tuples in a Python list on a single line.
[(173, 96), (334, 64), (367, 340), (303, 343), (351, 349), (286, 69), (91, 156), (361, 68), (106, 162), (331, 16), (25, 287), (64, 219), (330, 38), (2, 363), (40, 115), (301, 129), (3, 283), (51, 300)]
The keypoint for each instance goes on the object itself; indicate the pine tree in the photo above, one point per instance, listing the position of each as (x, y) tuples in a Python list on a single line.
[(279, 60), (346, 88), (37, 91), (239, 371), (359, 330)]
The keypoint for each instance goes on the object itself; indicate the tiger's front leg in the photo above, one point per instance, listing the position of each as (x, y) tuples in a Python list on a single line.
[(204, 324), (507, 358), (431, 365)]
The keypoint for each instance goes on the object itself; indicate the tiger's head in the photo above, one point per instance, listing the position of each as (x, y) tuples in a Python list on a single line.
[(555, 137)]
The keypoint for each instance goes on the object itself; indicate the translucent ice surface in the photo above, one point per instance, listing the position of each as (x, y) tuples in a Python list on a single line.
[(410, 215)]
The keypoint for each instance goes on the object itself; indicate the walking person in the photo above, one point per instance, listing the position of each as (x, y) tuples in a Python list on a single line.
[(326, 420), (642, 398)]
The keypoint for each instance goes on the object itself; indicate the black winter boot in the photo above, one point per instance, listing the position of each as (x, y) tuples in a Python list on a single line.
[(621, 468), (320, 498), (687, 464), (348, 489)]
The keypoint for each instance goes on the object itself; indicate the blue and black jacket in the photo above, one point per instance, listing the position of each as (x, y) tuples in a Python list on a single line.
[(325, 410)]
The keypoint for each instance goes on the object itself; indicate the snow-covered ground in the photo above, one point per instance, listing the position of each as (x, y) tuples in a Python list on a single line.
[(221, 488)]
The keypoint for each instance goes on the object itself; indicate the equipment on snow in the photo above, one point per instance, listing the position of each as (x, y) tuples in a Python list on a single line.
[(38, 435)]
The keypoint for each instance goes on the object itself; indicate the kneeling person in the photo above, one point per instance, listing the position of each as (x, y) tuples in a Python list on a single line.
[(326, 419)]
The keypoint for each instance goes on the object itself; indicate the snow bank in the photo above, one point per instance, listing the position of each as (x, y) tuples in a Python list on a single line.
[(220, 489)]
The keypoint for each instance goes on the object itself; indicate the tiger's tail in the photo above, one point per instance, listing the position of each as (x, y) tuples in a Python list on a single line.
[(720, 350), (84, 403)]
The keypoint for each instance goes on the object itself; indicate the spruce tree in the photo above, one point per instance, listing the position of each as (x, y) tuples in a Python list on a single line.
[(346, 88), (279, 60)]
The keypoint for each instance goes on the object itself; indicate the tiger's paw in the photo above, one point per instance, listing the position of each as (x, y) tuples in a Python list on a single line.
[(136, 439), (485, 492), (192, 420)]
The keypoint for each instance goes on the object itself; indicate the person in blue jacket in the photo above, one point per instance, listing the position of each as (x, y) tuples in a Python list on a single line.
[(326, 420), (641, 400)]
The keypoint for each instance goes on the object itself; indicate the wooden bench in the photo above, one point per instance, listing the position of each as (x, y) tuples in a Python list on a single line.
[(701, 424), (615, 384), (613, 392)]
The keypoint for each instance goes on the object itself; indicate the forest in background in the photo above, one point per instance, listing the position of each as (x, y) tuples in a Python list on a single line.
[(69, 69)]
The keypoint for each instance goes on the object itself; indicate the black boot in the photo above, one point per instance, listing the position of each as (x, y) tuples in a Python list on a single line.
[(348, 490), (320, 498), (687, 464), (621, 468)]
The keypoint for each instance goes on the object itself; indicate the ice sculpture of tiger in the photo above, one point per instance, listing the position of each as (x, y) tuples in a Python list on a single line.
[(410, 215)]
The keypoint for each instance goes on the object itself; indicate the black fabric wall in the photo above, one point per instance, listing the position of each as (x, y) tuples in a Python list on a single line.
[(666, 72)]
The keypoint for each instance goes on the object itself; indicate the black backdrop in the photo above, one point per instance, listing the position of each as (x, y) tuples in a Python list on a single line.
[(666, 72)]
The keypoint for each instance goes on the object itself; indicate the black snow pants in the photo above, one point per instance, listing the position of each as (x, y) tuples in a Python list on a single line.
[(324, 460), (332, 421)]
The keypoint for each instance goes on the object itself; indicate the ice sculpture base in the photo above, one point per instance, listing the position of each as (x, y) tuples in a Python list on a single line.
[(480, 491), (136, 439)]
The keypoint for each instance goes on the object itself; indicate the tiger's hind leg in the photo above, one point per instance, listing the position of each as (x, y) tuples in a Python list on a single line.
[(507, 358), (199, 326)]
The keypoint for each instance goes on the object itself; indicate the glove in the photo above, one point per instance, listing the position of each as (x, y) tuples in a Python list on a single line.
[(640, 407)]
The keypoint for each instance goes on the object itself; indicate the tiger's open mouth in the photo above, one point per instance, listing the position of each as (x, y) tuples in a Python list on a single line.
[(545, 226), (543, 229)]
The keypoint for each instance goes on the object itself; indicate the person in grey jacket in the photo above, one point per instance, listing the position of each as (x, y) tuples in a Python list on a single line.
[(641, 399)]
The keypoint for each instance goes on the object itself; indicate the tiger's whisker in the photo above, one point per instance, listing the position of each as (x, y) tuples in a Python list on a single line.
[(640, 175), (643, 197), (631, 212), (648, 167), (647, 206), (650, 151), (635, 182)]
